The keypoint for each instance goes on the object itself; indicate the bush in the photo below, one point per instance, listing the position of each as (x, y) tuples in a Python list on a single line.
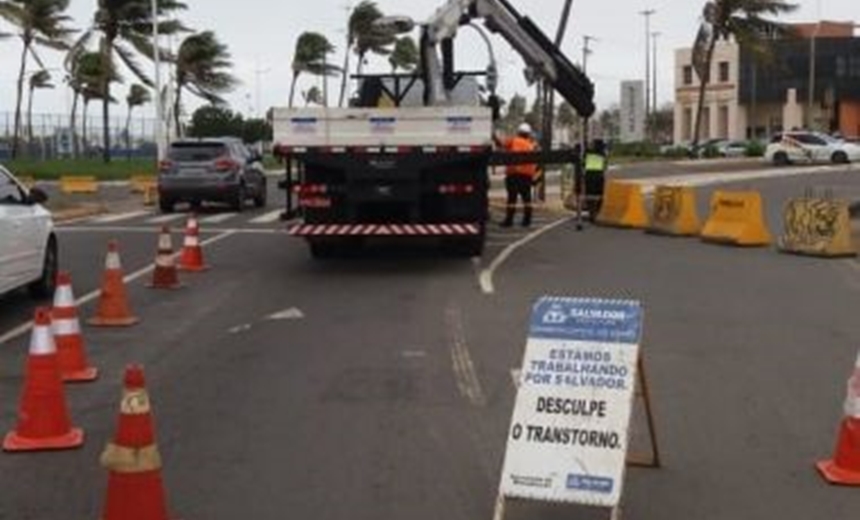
[(639, 149), (755, 149), (710, 152), (677, 152)]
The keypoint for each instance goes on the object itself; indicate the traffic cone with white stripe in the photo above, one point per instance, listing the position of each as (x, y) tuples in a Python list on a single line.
[(135, 490), (43, 418), (165, 275), (113, 309), (71, 352), (844, 467), (192, 253)]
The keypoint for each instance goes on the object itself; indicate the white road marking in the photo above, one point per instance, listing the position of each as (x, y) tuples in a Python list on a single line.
[(268, 218), (464, 368), (240, 328), (292, 313), (119, 217), (164, 219), (139, 229), (485, 279), (217, 219), (23, 328), (414, 354)]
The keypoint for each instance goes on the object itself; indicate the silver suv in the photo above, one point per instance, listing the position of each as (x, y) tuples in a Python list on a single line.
[(211, 170)]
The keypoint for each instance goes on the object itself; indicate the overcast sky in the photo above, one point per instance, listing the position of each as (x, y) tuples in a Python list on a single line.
[(261, 35)]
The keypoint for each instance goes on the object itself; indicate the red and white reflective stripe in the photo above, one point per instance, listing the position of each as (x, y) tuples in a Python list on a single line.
[(112, 261), (66, 327), (42, 342), (165, 243), (64, 297), (383, 230), (192, 241), (164, 260)]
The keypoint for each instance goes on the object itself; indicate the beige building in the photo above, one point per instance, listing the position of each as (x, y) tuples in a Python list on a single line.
[(745, 99)]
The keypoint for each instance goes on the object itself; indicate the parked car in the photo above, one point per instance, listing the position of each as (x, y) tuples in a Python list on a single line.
[(732, 148), (810, 147), (211, 170), (28, 245)]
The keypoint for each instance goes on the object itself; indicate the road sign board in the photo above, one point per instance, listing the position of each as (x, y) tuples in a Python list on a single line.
[(569, 431)]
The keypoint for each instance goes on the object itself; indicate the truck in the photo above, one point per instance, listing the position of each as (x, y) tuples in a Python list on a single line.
[(410, 157)]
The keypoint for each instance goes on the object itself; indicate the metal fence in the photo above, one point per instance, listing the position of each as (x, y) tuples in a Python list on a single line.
[(51, 136)]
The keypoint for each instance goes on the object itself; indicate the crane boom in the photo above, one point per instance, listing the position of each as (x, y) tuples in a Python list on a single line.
[(500, 17)]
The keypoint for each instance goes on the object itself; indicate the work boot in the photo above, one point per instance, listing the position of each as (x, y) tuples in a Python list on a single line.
[(527, 218)]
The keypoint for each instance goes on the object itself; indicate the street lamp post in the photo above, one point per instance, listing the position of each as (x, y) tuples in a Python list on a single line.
[(654, 36), (647, 13)]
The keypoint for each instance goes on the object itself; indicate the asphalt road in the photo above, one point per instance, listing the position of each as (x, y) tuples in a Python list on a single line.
[(388, 394)]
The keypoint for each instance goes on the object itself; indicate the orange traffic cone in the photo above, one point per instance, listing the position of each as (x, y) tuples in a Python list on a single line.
[(165, 275), (43, 419), (192, 254), (71, 353), (113, 310), (135, 490), (844, 467)]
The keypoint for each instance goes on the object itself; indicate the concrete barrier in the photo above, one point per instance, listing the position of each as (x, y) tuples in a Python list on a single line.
[(623, 206), (78, 184), (817, 227), (674, 212), (140, 183), (737, 218)]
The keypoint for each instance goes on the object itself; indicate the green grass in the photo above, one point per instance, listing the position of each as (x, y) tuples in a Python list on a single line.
[(118, 169)]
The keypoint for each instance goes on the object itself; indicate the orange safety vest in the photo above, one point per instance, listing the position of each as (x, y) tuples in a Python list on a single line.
[(520, 145)]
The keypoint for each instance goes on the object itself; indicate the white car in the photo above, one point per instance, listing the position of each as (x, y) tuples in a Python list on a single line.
[(28, 245), (810, 147)]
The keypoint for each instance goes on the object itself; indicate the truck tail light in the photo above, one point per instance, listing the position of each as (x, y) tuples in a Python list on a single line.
[(306, 190), (456, 189)]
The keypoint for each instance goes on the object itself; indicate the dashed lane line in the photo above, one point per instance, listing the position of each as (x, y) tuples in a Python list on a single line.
[(268, 218), (217, 219), (25, 327), (119, 217), (144, 229), (165, 219)]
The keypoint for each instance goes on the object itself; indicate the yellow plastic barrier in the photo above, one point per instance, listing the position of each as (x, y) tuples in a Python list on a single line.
[(674, 212), (623, 206), (78, 184), (736, 218), (140, 183), (150, 195), (817, 227)]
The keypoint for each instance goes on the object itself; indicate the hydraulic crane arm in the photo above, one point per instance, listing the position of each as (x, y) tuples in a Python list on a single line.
[(500, 17)]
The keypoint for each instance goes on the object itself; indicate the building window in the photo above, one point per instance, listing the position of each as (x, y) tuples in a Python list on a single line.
[(724, 72), (688, 74)]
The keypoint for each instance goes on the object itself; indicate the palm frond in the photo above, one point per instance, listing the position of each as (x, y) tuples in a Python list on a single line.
[(127, 57)]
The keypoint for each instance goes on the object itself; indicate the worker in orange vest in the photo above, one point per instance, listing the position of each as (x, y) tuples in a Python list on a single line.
[(520, 178)]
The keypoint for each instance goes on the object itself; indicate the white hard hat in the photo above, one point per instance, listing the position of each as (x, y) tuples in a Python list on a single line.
[(524, 129)]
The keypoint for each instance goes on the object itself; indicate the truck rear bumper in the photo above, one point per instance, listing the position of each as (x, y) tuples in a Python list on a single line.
[(385, 230)]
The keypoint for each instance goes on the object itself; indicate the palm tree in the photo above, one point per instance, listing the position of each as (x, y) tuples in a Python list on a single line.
[(311, 56), (364, 36), (126, 28), (41, 22), (743, 20), (83, 75), (38, 80), (201, 68), (405, 55), (138, 95), (313, 96)]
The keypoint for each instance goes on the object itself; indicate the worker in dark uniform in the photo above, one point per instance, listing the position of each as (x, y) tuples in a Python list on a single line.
[(520, 178), (596, 163)]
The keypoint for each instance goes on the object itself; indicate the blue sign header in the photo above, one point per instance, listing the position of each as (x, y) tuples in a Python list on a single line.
[(587, 319)]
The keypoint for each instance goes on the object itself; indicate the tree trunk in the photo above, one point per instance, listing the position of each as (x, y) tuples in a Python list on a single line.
[(127, 134), (176, 103), (702, 88), (30, 115), (293, 88), (105, 91), (84, 136), (16, 139), (345, 74), (73, 123)]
